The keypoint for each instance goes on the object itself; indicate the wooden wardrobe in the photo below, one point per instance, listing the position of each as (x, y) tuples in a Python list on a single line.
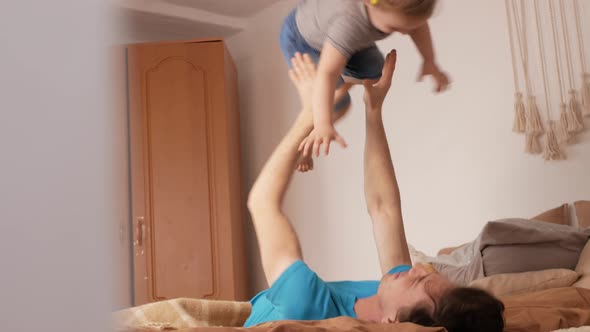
[(188, 238)]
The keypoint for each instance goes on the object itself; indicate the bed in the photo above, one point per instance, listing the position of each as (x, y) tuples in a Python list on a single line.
[(548, 310), (537, 301)]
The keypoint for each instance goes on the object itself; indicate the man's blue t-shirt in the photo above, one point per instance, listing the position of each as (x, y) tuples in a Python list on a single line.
[(299, 294)]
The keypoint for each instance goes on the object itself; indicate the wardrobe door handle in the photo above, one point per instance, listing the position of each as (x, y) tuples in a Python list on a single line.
[(140, 231)]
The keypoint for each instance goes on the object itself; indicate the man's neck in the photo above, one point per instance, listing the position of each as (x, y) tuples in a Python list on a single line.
[(368, 309)]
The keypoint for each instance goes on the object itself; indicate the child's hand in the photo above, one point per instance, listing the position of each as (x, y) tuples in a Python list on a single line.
[(318, 136), (441, 79)]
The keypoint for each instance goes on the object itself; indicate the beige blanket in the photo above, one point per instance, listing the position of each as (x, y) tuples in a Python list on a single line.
[(181, 314), (575, 329), (340, 324)]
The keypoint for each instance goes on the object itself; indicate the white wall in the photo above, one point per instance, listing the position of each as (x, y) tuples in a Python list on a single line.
[(457, 161), (57, 167)]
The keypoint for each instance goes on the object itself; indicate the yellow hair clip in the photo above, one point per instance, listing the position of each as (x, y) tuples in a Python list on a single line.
[(374, 2)]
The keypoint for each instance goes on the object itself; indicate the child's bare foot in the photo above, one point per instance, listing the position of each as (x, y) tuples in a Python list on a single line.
[(302, 75), (304, 164)]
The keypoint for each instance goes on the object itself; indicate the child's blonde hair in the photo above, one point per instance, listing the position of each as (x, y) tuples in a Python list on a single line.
[(413, 8)]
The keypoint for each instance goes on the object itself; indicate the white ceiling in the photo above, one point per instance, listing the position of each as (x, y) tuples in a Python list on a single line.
[(235, 8), (154, 20), (147, 27)]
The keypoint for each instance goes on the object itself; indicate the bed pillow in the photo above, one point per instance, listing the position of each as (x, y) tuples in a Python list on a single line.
[(520, 245), (583, 213), (516, 258), (583, 268), (518, 283), (559, 215)]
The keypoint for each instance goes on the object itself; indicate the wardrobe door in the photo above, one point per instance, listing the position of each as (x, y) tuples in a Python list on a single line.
[(174, 90)]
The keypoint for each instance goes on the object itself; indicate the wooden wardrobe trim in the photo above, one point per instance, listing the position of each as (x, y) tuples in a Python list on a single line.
[(184, 41)]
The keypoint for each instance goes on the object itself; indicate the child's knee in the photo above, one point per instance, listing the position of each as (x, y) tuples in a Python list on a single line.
[(373, 81), (352, 80)]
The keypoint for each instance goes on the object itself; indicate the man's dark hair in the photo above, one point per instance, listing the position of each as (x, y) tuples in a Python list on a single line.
[(462, 309)]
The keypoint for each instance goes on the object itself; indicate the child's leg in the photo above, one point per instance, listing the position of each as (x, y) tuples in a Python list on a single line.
[(292, 42), (341, 102), (364, 65)]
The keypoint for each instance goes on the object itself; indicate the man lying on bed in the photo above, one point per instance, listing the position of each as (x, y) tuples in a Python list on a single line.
[(405, 293)]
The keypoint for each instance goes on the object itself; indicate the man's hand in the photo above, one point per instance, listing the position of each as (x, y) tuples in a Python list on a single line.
[(302, 75), (375, 93), (318, 136), (441, 79)]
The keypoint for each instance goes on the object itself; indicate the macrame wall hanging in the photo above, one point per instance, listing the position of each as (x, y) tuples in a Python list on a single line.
[(533, 27)]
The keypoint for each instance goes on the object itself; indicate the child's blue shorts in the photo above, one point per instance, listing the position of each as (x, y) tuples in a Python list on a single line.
[(366, 64)]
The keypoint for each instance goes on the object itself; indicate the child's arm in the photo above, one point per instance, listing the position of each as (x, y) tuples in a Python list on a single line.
[(423, 41), (330, 67)]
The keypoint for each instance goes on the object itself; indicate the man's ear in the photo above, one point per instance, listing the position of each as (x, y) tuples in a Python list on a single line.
[(390, 319)]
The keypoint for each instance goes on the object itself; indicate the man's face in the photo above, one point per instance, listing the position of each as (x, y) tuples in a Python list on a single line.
[(420, 286)]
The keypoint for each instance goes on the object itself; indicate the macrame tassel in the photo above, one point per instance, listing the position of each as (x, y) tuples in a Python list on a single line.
[(562, 133), (573, 121), (577, 109), (534, 125), (552, 149), (586, 94), (532, 144), (519, 114)]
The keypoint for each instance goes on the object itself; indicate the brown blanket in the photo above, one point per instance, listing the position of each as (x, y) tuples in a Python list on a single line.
[(542, 311), (548, 310)]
